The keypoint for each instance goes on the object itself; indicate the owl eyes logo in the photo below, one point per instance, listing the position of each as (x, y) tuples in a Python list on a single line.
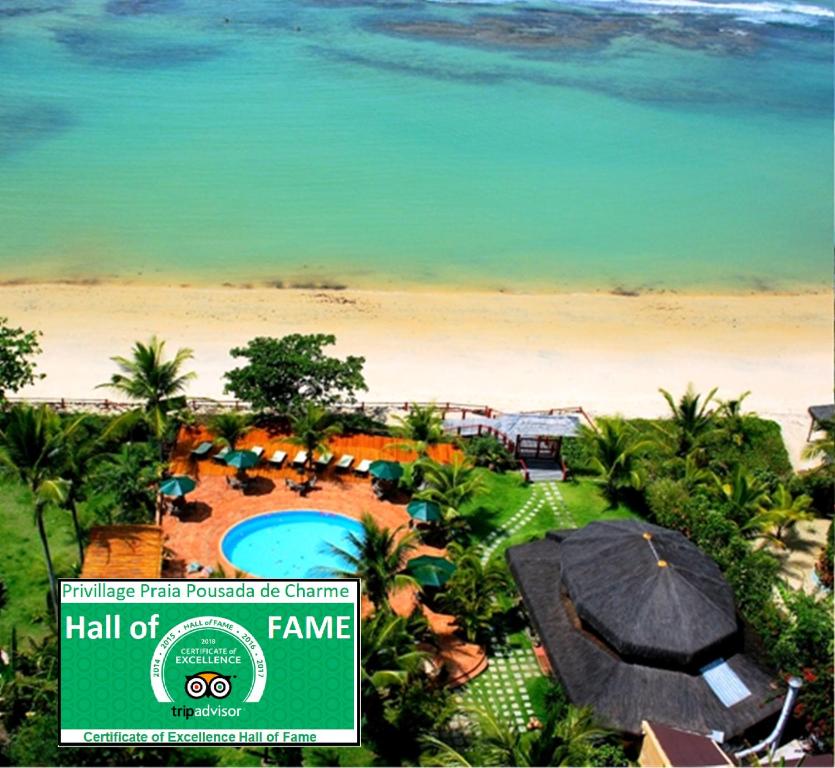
[(208, 684)]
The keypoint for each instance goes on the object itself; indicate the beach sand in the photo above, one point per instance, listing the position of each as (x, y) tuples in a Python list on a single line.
[(512, 351)]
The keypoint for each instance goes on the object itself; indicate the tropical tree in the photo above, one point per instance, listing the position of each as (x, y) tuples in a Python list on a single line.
[(745, 495), (312, 428), (733, 419), (377, 556), (451, 485), (784, 512), (693, 419), (565, 738), (822, 448), (473, 593), (420, 428), (17, 348), (126, 484), (284, 374), (488, 451), (147, 377), (229, 427), (32, 446), (614, 449)]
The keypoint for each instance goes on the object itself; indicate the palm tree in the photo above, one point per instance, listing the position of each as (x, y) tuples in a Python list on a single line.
[(127, 481), (147, 377), (229, 427), (692, 418), (472, 594), (388, 651), (421, 427), (565, 738), (745, 495), (312, 428), (32, 446), (783, 514), (377, 556), (733, 419), (615, 450), (450, 486), (822, 448)]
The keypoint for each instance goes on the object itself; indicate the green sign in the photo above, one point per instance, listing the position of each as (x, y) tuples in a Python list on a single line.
[(209, 661)]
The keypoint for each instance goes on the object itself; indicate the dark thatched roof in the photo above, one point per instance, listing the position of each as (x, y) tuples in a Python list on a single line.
[(822, 413), (622, 693), (651, 594)]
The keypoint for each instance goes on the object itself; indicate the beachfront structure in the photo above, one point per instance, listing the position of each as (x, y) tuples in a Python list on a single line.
[(535, 438), (820, 415), (639, 624)]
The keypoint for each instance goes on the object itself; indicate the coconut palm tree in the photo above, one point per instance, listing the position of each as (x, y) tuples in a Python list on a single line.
[(451, 485), (564, 739), (421, 427), (377, 556), (472, 594), (312, 428), (147, 377), (32, 446), (127, 483), (783, 514), (733, 419), (746, 496), (614, 450), (692, 418), (388, 651), (822, 448), (229, 427)]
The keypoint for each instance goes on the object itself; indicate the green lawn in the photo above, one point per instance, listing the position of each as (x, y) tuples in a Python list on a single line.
[(21, 561)]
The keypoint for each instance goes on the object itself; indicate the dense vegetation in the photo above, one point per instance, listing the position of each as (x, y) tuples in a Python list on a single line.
[(717, 474)]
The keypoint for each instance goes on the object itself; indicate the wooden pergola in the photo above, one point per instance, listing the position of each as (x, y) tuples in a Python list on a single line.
[(123, 552)]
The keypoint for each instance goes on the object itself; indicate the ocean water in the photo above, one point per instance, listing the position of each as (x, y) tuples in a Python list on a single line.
[(636, 144)]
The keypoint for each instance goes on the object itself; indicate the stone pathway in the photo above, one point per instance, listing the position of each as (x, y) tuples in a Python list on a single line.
[(543, 495), (502, 687)]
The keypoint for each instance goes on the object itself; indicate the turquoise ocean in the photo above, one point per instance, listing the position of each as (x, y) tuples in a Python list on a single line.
[(607, 144)]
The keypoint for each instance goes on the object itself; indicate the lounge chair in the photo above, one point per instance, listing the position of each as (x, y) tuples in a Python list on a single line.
[(324, 459), (258, 451), (221, 454), (202, 450), (277, 459), (363, 467), (301, 459), (344, 464)]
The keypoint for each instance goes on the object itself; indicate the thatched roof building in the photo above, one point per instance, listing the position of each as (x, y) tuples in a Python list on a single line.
[(638, 623)]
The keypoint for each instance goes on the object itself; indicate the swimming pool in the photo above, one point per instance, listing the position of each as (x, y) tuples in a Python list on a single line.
[(293, 544)]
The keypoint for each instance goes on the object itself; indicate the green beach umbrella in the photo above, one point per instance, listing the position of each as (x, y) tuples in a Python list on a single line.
[(426, 511), (177, 486), (241, 459), (430, 571), (386, 470)]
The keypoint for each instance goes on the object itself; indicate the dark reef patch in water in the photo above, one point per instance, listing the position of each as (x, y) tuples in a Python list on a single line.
[(122, 51), (565, 31), (23, 127), (12, 10), (141, 7)]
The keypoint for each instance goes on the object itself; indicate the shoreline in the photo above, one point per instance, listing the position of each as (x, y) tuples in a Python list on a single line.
[(607, 353)]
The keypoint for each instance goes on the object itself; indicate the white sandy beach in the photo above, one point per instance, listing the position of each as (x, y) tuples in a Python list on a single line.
[(607, 353)]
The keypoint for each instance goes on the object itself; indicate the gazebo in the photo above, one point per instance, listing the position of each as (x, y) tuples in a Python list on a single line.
[(639, 624)]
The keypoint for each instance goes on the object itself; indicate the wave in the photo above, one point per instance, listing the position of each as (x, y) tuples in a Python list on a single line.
[(803, 14)]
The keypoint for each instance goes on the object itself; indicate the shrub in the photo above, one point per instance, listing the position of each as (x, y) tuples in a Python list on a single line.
[(488, 451), (668, 502)]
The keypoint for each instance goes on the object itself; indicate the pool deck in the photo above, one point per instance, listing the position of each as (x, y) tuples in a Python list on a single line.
[(195, 534)]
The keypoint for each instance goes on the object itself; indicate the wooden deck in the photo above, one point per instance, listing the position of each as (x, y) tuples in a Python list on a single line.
[(361, 447), (123, 552)]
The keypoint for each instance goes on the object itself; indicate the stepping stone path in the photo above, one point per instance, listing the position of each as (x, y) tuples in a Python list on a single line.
[(543, 495), (501, 687)]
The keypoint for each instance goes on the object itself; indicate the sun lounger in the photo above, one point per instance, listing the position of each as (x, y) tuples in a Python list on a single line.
[(301, 458), (363, 467), (345, 462), (221, 454), (258, 451), (202, 450), (278, 458), (324, 459)]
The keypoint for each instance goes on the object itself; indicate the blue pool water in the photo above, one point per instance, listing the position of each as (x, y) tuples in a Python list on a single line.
[(290, 545)]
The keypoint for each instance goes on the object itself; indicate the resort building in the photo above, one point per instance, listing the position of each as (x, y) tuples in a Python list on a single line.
[(639, 624)]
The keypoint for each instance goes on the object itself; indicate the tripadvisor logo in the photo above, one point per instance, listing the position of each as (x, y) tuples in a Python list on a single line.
[(208, 658)]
